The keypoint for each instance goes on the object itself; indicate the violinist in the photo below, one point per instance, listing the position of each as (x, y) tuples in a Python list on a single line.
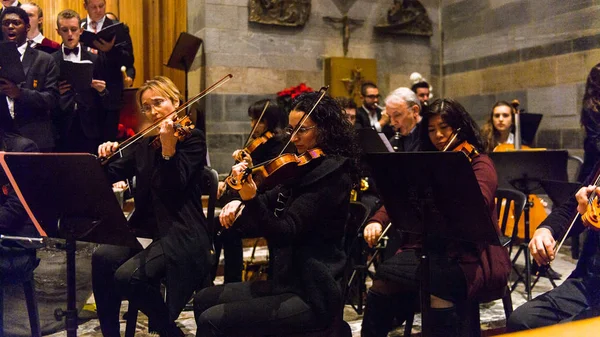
[(303, 220), (168, 209), (396, 285), (499, 127), (267, 141), (578, 296)]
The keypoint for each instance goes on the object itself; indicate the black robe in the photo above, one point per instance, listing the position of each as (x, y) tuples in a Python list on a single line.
[(305, 237), (168, 205)]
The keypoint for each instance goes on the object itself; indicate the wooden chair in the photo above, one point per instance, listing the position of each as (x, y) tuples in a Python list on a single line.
[(469, 310), (208, 180)]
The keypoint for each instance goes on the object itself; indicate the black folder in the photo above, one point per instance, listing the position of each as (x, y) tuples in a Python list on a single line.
[(106, 34), (78, 75), (11, 67)]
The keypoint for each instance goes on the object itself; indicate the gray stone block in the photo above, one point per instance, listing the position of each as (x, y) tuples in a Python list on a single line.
[(224, 142), (478, 106), (221, 16), (498, 59), (552, 49), (236, 106), (572, 138), (549, 139), (586, 43), (509, 96), (553, 101), (541, 10)]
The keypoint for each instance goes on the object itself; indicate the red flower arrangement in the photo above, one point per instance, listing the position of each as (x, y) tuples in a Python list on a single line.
[(294, 91), (285, 96)]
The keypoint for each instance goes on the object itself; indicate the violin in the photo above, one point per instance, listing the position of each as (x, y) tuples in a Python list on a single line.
[(276, 170), (285, 165), (173, 115), (469, 150), (183, 130), (244, 154)]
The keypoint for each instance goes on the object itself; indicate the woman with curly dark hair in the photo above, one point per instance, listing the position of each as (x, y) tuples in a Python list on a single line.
[(458, 271), (303, 220)]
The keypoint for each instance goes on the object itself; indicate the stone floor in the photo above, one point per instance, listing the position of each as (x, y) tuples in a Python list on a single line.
[(492, 314)]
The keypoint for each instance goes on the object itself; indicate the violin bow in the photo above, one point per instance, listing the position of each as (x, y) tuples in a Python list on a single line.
[(123, 145), (577, 215), (256, 124), (451, 139)]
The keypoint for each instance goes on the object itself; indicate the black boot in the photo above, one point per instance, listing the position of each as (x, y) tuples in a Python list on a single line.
[(379, 315), (444, 322)]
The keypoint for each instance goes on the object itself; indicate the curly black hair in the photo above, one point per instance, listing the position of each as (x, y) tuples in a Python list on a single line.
[(455, 115), (336, 136)]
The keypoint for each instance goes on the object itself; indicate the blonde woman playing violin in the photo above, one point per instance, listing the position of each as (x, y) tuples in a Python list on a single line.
[(168, 210), (446, 126), (303, 221)]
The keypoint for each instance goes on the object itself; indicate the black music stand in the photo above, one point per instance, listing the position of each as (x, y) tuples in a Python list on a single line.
[(530, 122), (525, 170), (68, 196), (183, 55), (423, 196)]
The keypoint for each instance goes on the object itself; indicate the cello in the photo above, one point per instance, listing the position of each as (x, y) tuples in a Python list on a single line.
[(537, 211)]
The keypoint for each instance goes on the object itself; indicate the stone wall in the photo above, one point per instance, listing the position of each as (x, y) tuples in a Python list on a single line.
[(266, 59), (539, 52)]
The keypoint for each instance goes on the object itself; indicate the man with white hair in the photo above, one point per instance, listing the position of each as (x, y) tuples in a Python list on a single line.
[(403, 107)]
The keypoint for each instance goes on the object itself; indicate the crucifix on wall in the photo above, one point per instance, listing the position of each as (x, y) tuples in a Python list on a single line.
[(347, 24)]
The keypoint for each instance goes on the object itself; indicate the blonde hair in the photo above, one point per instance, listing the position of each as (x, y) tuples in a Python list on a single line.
[(163, 86)]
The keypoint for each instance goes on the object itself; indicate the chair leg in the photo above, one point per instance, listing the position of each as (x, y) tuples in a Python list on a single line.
[(32, 308), (408, 325), (1, 310), (132, 313), (507, 304)]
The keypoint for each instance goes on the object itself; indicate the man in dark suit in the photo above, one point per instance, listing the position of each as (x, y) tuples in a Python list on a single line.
[(29, 104), (370, 114), (117, 53), (35, 36), (6, 4), (81, 110)]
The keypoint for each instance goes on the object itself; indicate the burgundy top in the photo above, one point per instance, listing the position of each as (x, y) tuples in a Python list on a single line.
[(487, 268)]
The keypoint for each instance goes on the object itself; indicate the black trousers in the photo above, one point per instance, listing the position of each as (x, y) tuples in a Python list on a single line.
[(230, 242), (250, 309), (572, 300), (121, 272)]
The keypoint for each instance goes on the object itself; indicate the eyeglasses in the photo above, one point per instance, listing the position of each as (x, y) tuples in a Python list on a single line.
[(373, 96), (8, 22), (156, 103), (289, 130)]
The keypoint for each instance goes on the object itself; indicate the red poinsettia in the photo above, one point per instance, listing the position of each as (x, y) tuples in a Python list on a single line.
[(294, 91)]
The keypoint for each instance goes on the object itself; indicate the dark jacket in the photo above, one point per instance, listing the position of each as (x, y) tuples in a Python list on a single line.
[(590, 120), (168, 205), (303, 223), (362, 117), (409, 143), (90, 103), (486, 268), (13, 218), (39, 96), (559, 221)]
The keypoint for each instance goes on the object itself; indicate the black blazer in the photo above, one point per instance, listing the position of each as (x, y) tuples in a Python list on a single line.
[(167, 203), (120, 55), (362, 116), (39, 96), (13, 218), (90, 104)]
